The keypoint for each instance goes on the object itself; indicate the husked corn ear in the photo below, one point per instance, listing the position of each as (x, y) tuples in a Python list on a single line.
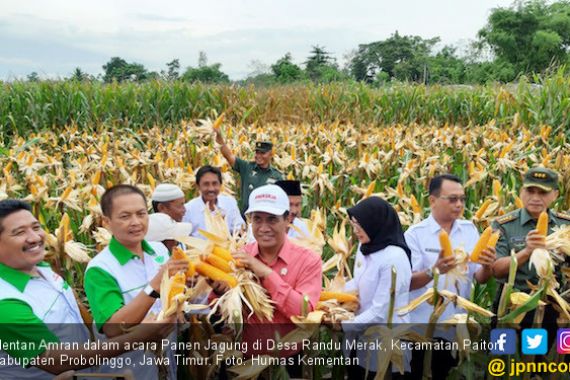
[(223, 253), (479, 214), (494, 239), (481, 244), (542, 224), (215, 274), (178, 254), (445, 243), (518, 202), (219, 263), (219, 120), (339, 296), (178, 285)]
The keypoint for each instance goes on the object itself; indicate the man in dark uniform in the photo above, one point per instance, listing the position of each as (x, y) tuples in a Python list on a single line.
[(518, 228), (253, 174), (518, 233)]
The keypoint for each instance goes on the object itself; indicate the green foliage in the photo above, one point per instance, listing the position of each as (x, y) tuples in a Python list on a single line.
[(205, 73), (530, 35), (117, 69), (285, 71)]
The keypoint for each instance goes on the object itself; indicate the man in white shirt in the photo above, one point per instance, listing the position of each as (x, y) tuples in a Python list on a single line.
[(209, 182), (447, 201)]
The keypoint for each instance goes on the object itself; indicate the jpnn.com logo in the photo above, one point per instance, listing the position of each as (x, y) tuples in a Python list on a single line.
[(503, 341)]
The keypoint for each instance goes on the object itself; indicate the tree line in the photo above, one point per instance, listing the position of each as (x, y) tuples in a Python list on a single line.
[(527, 37)]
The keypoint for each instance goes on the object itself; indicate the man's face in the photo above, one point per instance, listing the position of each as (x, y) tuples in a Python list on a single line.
[(449, 205), (537, 200), (209, 187), (269, 230), (263, 159), (21, 241), (295, 203), (175, 209), (129, 219)]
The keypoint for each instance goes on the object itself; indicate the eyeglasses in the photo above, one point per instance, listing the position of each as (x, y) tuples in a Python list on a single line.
[(454, 198)]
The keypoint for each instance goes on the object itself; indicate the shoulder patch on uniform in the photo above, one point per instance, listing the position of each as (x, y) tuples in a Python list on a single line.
[(562, 215), (506, 218)]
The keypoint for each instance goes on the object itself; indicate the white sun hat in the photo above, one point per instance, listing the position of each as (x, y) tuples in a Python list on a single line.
[(162, 227)]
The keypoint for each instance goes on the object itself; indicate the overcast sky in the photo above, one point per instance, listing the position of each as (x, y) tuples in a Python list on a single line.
[(52, 37)]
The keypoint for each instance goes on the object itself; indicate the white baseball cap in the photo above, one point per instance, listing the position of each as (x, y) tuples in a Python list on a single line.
[(166, 192), (270, 199), (162, 227)]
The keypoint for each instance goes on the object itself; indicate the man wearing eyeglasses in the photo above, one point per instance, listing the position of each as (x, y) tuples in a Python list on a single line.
[(447, 202)]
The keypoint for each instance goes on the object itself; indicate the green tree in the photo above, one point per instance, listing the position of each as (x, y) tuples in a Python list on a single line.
[(400, 57), (205, 73), (285, 71), (529, 35), (173, 70), (33, 77), (120, 70), (445, 67), (79, 75)]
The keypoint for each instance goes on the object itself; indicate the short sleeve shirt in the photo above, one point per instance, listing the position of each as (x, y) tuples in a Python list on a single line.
[(514, 227), (252, 177)]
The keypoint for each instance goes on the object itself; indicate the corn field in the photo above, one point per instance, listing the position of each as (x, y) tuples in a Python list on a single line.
[(65, 142)]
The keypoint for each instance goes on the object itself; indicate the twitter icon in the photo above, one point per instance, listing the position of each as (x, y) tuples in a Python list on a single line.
[(534, 342)]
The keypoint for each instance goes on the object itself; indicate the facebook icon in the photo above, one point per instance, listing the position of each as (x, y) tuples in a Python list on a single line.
[(503, 341)]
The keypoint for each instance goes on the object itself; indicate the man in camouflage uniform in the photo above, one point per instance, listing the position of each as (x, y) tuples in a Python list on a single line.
[(518, 233)]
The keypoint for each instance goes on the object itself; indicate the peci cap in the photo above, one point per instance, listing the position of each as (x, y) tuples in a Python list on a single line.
[(166, 192), (290, 187), (263, 146), (163, 227), (540, 177), (270, 199)]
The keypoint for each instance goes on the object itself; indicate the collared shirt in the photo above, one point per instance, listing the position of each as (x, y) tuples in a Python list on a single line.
[(226, 204), (113, 278), (36, 310), (514, 227), (423, 241), (372, 280), (297, 272), (252, 177)]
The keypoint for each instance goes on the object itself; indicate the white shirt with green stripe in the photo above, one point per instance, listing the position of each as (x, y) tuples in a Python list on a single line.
[(114, 278), (35, 311)]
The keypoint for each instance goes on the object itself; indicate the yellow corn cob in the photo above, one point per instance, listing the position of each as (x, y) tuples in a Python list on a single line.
[(219, 120), (481, 244), (542, 224), (415, 205), (445, 243), (222, 253), (494, 239), (518, 202), (339, 296), (219, 263), (215, 274), (479, 214), (178, 285), (496, 188), (178, 254)]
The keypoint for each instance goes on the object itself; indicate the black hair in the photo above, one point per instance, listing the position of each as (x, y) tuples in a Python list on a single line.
[(115, 191), (208, 169), (10, 206), (436, 182)]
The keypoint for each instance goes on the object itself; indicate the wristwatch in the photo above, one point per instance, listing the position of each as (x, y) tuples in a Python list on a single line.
[(429, 272), (149, 291)]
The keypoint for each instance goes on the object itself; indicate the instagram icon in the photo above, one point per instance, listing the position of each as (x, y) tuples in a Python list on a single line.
[(563, 341)]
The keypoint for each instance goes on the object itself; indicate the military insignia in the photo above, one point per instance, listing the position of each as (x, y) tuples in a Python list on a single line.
[(251, 187), (518, 242), (562, 215), (539, 175), (253, 173), (506, 218)]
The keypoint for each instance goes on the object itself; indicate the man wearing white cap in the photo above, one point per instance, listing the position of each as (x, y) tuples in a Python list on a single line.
[(169, 199), (288, 272)]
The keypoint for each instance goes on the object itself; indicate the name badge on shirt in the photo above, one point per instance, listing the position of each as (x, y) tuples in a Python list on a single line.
[(434, 250), (518, 242)]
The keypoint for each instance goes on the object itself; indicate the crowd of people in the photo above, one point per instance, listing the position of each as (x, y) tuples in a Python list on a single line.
[(123, 282)]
